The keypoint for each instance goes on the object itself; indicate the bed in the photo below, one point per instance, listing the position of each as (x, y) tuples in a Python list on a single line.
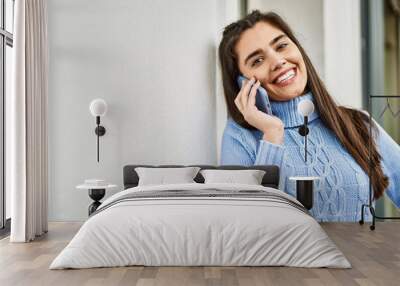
[(201, 224)]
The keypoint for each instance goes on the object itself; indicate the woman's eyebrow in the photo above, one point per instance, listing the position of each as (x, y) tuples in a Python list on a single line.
[(276, 39), (259, 51), (256, 52)]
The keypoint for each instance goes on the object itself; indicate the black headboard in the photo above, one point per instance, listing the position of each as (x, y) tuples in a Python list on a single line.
[(270, 179)]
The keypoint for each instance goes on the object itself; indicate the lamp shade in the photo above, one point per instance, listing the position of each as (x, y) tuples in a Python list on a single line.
[(98, 107), (305, 107)]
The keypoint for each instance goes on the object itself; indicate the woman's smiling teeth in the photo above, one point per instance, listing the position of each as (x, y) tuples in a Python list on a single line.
[(286, 76)]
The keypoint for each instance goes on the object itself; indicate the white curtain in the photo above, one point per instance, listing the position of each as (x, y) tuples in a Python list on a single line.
[(28, 122)]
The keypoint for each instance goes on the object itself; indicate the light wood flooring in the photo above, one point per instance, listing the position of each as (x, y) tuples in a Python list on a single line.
[(374, 255)]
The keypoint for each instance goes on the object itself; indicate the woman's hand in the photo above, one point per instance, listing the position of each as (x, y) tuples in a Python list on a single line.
[(245, 101)]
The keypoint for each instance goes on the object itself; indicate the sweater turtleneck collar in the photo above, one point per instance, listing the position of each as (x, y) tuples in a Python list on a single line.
[(287, 110)]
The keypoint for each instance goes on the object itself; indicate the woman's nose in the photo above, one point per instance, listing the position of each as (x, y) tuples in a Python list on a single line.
[(277, 62)]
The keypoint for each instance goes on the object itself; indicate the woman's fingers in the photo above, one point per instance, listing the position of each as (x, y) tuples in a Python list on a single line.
[(252, 95), (247, 95), (245, 91)]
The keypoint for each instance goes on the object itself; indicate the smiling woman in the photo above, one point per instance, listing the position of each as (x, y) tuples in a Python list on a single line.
[(277, 62), (263, 48)]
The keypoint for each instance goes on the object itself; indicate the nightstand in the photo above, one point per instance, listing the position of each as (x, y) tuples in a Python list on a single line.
[(305, 190), (96, 193)]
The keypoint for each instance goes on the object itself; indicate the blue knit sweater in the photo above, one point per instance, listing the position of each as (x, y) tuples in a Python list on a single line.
[(343, 186)]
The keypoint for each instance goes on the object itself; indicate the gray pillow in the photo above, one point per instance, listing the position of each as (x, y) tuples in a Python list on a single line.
[(162, 176), (249, 177)]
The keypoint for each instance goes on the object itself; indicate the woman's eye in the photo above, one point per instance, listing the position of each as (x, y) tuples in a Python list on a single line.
[(281, 46), (257, 61)]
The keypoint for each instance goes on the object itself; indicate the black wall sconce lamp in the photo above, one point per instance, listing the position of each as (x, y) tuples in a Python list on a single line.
[(305, 108), (98, 108)]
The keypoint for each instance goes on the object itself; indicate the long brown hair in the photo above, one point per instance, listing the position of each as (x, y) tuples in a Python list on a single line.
[(349, 125)]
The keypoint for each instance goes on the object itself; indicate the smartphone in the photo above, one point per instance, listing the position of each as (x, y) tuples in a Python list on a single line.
[(262, 100)]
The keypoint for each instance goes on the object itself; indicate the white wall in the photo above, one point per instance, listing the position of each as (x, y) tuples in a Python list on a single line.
[(342, 55), (154, 63)]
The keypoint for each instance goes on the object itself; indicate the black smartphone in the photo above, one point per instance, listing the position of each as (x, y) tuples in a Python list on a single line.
[(262, 99)]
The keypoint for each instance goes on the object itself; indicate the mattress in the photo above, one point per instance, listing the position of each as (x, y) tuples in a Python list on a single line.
[(201, 225)]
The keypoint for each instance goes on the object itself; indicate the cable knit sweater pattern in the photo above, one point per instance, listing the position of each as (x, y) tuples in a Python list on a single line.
[(343, 186)]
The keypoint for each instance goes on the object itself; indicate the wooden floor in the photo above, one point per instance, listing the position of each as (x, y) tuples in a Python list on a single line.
[(374, 255)]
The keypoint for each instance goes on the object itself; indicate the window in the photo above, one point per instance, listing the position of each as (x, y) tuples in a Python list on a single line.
[(381, 58), (6, 44)]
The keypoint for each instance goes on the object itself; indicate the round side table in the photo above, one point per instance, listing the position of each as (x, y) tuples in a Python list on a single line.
[(96, 193), (305, 189)]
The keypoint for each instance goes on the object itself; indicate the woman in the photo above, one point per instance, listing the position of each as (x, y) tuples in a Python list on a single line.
[(262, 47)]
